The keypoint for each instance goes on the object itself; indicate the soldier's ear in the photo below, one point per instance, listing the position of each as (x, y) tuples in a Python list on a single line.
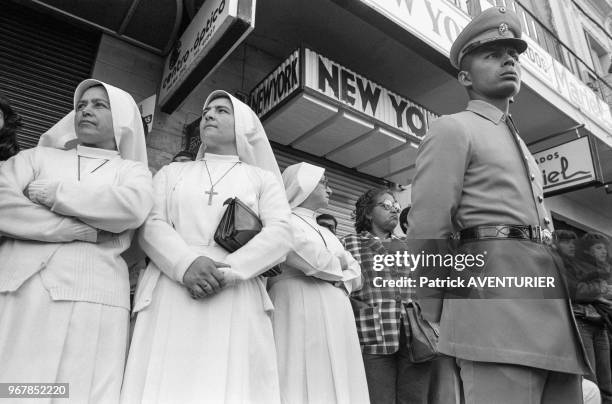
[(464, 78)]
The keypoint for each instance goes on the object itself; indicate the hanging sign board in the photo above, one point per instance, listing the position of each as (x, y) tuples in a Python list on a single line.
[(566, 166), (216, 30)]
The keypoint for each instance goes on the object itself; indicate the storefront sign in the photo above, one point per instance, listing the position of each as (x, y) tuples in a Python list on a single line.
[(581, 96), (568, 165), (359, 93), (215, 31), (147, 109), (560, 79), (336, 82), (438, 23), (277, 86)]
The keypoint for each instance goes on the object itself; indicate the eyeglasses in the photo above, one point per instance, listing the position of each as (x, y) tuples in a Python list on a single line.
[(389, 205)]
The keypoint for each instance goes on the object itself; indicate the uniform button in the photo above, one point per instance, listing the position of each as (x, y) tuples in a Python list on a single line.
[(540, 199), (525, 157), (532, 176), (546, 220)]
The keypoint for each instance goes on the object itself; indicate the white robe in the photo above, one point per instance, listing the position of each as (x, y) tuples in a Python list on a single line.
[(64, 303), (314, 327), (220, 348)]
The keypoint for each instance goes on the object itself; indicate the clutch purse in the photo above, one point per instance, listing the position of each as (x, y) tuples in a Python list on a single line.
[(238, 225)]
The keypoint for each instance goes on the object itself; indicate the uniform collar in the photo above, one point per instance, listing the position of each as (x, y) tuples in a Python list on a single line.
[(486, 110)]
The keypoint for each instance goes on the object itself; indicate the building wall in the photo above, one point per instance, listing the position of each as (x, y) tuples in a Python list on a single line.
[(128, 67), (136, 71), (139, 73), (571, 24), (585, 215)]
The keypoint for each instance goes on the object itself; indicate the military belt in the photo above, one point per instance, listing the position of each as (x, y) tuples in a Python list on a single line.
[(506, 231)]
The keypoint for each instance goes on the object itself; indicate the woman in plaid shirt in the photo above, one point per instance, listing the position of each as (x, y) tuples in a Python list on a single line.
[(380, 312)]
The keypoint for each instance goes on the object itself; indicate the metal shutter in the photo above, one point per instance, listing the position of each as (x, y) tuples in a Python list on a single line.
[(347, 187), (42, 59)]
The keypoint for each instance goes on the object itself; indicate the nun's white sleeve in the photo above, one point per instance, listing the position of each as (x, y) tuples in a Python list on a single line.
[(111, 207), (158, 238), (21, 218), (311, 256), (351, 276), (270, 246)]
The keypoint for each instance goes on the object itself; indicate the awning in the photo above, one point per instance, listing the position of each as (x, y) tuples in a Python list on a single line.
[(318, 106), (153, 25)]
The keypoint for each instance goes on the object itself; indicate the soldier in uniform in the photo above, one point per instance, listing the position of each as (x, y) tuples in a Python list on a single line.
[(475, 179)]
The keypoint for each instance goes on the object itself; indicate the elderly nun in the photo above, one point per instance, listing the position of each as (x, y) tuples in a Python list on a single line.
[(68, 210), (203, 332), (316, 339)]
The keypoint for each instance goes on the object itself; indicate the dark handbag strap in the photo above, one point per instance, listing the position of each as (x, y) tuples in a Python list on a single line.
[(311, 226)]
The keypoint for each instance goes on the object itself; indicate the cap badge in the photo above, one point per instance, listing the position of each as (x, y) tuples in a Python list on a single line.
[(503, 29)]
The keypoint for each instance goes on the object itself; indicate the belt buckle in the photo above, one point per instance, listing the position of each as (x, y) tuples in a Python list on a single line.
[(543, 236)]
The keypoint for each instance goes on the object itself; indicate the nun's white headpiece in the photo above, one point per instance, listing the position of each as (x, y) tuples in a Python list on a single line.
[(127, 124), (251, 141), (300, 180)]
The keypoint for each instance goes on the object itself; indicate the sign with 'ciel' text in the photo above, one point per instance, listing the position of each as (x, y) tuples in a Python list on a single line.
[(215, 31), (568, 165)]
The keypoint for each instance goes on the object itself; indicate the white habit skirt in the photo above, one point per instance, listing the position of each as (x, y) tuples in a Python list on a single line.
[(317, 345), (218, 349), (46, 341)]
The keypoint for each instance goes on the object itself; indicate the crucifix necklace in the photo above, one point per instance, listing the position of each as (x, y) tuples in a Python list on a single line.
[(79, 166), (211, 192)]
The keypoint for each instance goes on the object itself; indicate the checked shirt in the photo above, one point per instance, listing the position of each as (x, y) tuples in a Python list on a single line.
[(379, 311)]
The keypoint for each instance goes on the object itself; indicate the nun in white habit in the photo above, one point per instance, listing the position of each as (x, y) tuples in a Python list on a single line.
[(318, 349), (203, 332), (68, 210)]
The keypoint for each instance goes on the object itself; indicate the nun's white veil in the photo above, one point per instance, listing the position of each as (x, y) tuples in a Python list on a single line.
[(127, 124), (251, 141), (300, 180)]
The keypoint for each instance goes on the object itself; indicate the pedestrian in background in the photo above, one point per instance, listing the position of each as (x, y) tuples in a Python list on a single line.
[(10, 121), (328, 221), (588, 285), (183, 156), (383, 313)]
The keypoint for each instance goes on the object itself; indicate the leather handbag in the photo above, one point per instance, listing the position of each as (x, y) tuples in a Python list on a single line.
[(238, 225), (423, 341)]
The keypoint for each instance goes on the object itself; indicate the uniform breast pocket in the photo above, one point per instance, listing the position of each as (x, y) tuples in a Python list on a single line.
[(368, 326)]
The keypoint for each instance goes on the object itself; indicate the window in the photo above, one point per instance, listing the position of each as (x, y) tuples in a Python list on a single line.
[(599, 55)]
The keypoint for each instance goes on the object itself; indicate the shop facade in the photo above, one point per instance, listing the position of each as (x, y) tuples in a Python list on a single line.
[(351, 86)]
